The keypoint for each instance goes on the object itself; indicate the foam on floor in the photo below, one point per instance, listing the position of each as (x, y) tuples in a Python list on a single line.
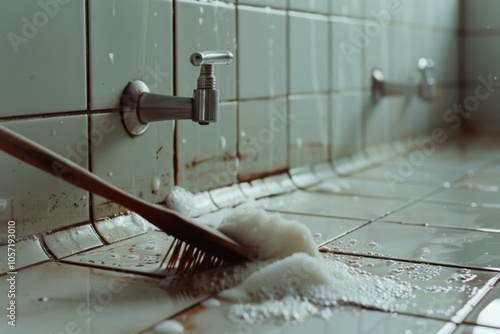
[(290, 280), (268, 236)]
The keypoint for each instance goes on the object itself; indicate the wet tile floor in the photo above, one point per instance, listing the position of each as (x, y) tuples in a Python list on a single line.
[(435, 225)]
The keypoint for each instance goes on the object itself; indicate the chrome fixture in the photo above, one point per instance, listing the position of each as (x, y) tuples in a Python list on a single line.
[(426, 90), (139, 107)]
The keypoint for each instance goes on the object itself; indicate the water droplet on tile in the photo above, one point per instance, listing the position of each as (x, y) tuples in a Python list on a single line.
[(473, 204), (84, 197), (4, 204), (317, 235), (62, 122), (155, 45), (299, 142), (155, 13), (201, 9), (111, 58), (447, 185), (169, 327), (211, 302), (223, 142), (183, 141), (156, 183), (110, 174), (54, 132), (200, 21), (43, 299)]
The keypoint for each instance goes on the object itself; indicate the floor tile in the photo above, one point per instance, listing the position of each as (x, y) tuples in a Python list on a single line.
[(325, 228), (471, 249), (140, 254), (63, 298), (26, 253), (372, 187), (440, 292), (403, 171), (347, 320), (476, 330), (487, 311), (72, 240), (472, 197), (452, 215), (485, 180), (332, 205)]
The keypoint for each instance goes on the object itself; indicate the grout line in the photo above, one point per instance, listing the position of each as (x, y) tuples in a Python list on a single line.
[(175, 153), (90, 196)]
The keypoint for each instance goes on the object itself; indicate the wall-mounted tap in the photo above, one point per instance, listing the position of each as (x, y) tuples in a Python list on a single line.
[(425, 90), (139, 107)]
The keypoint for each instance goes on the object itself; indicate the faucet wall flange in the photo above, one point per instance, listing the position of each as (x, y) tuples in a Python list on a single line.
[(129, 106)]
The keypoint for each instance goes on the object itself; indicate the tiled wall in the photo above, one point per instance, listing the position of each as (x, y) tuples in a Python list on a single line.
[(298, 92), (482, 47)]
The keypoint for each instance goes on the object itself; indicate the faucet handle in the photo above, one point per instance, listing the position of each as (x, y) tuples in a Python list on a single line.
[(211, 57), (206, 97)]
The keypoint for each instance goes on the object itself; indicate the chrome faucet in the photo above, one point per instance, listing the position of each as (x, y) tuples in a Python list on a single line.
[(425, 90), (139, 107)]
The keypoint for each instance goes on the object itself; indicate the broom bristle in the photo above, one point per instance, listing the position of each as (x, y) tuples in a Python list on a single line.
[(186, 259)]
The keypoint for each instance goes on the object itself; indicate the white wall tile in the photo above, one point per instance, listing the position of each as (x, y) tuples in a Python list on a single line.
[(206, 155), (35, 200), (346, 119), (481, 56), (377, 54), (417, 12), (129, 40), (309, 130), (309, 49), (42, 69), (482, 15), (383, 12), (404, 65), (262, 142), (264, 3), (203, 27), (445, 53), (347, 55), (378, 121), (447, 13), (317, 6), (142, 166), (347, 8), (262, 52)]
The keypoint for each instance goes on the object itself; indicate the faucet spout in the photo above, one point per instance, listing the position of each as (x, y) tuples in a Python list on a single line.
[(156, 107), (425, 90)]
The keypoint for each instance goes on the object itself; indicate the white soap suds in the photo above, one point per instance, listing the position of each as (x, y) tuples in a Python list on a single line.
[(268, 236), (182, 201)]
